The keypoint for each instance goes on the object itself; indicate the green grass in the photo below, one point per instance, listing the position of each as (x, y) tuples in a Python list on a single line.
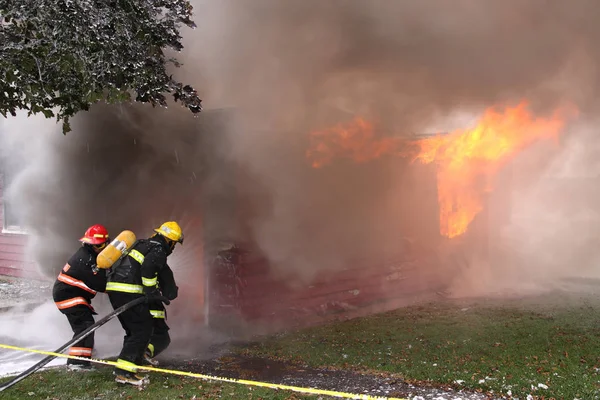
[(502, 348), (58, 384)]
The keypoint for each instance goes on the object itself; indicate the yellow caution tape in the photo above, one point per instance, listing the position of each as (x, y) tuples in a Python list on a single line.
[(214, 378)]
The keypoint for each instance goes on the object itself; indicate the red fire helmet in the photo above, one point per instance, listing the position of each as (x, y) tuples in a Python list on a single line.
[(95, 234)]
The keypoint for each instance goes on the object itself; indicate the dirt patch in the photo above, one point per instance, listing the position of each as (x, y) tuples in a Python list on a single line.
[(274, 371)]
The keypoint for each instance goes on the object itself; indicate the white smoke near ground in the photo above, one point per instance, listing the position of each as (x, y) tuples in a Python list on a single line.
[(287, 68), (45, 328), (39, 329)]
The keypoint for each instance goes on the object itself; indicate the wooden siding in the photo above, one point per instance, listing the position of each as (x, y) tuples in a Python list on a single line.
[(246, 292)]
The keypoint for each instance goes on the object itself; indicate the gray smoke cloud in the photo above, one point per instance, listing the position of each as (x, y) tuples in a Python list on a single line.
[(295, 66), (284, 69)]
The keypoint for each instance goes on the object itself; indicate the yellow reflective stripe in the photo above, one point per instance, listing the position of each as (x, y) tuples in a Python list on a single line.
[(151, 349), (157, 313), (137, 256), (149, 281), (124, 287), (126, 365)]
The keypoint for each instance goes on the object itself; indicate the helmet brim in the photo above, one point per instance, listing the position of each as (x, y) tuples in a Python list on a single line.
[(161, 233), (95, 241)]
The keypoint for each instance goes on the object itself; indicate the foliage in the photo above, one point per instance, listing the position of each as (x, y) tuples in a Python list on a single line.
[(58, 57)]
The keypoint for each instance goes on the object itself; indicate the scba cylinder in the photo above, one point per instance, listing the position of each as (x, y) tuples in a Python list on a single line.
[(116, 249)]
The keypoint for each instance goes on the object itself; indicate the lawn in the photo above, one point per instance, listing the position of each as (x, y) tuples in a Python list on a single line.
[(58, 384), (547, 347)]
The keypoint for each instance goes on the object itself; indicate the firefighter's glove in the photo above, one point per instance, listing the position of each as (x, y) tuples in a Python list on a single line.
[(170, 293), (154, 295), (153, 298)]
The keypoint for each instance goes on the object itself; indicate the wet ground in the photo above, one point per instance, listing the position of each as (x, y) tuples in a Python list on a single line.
[(23, 292), (273, 371)]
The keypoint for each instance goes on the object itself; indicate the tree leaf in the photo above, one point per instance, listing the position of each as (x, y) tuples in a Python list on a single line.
[(68, 55)]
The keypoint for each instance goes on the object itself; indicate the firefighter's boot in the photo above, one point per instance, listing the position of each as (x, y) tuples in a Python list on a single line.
[(131, 378), (149, 360)]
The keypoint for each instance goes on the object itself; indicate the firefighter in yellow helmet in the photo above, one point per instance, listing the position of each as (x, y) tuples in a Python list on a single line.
[(144, 272)]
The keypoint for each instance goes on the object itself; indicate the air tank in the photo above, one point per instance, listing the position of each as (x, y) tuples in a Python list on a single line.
[(116, 249)]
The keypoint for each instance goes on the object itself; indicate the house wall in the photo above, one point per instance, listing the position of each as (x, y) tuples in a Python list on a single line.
[(13, 259), (246, 294)]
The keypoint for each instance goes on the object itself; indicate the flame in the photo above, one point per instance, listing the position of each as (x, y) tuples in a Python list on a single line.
[(466, 159), (355, 140)]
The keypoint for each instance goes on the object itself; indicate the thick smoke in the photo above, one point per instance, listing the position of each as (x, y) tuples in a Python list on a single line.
[(291, 67), (552, 232), (286, 68)]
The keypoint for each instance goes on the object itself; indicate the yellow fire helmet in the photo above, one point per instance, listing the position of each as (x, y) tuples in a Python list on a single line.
[(172, 231)]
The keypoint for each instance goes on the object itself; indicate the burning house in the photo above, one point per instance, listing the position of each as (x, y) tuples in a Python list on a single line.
[(384, 220), (388, 220), (459, 201)]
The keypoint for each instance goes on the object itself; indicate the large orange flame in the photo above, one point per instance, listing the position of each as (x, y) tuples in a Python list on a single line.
[(466, 159)]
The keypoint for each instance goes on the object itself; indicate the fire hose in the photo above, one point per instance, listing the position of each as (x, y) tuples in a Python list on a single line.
[(77, 338)]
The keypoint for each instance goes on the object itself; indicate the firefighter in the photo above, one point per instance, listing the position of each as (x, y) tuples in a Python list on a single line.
[(140, 274), (76, 286)]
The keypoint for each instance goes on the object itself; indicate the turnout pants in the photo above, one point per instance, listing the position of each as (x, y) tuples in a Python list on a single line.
[(80, 318), (138, 325), (160, 339)]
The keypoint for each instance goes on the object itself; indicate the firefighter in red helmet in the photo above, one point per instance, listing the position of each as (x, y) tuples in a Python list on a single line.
[(76, 285)]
